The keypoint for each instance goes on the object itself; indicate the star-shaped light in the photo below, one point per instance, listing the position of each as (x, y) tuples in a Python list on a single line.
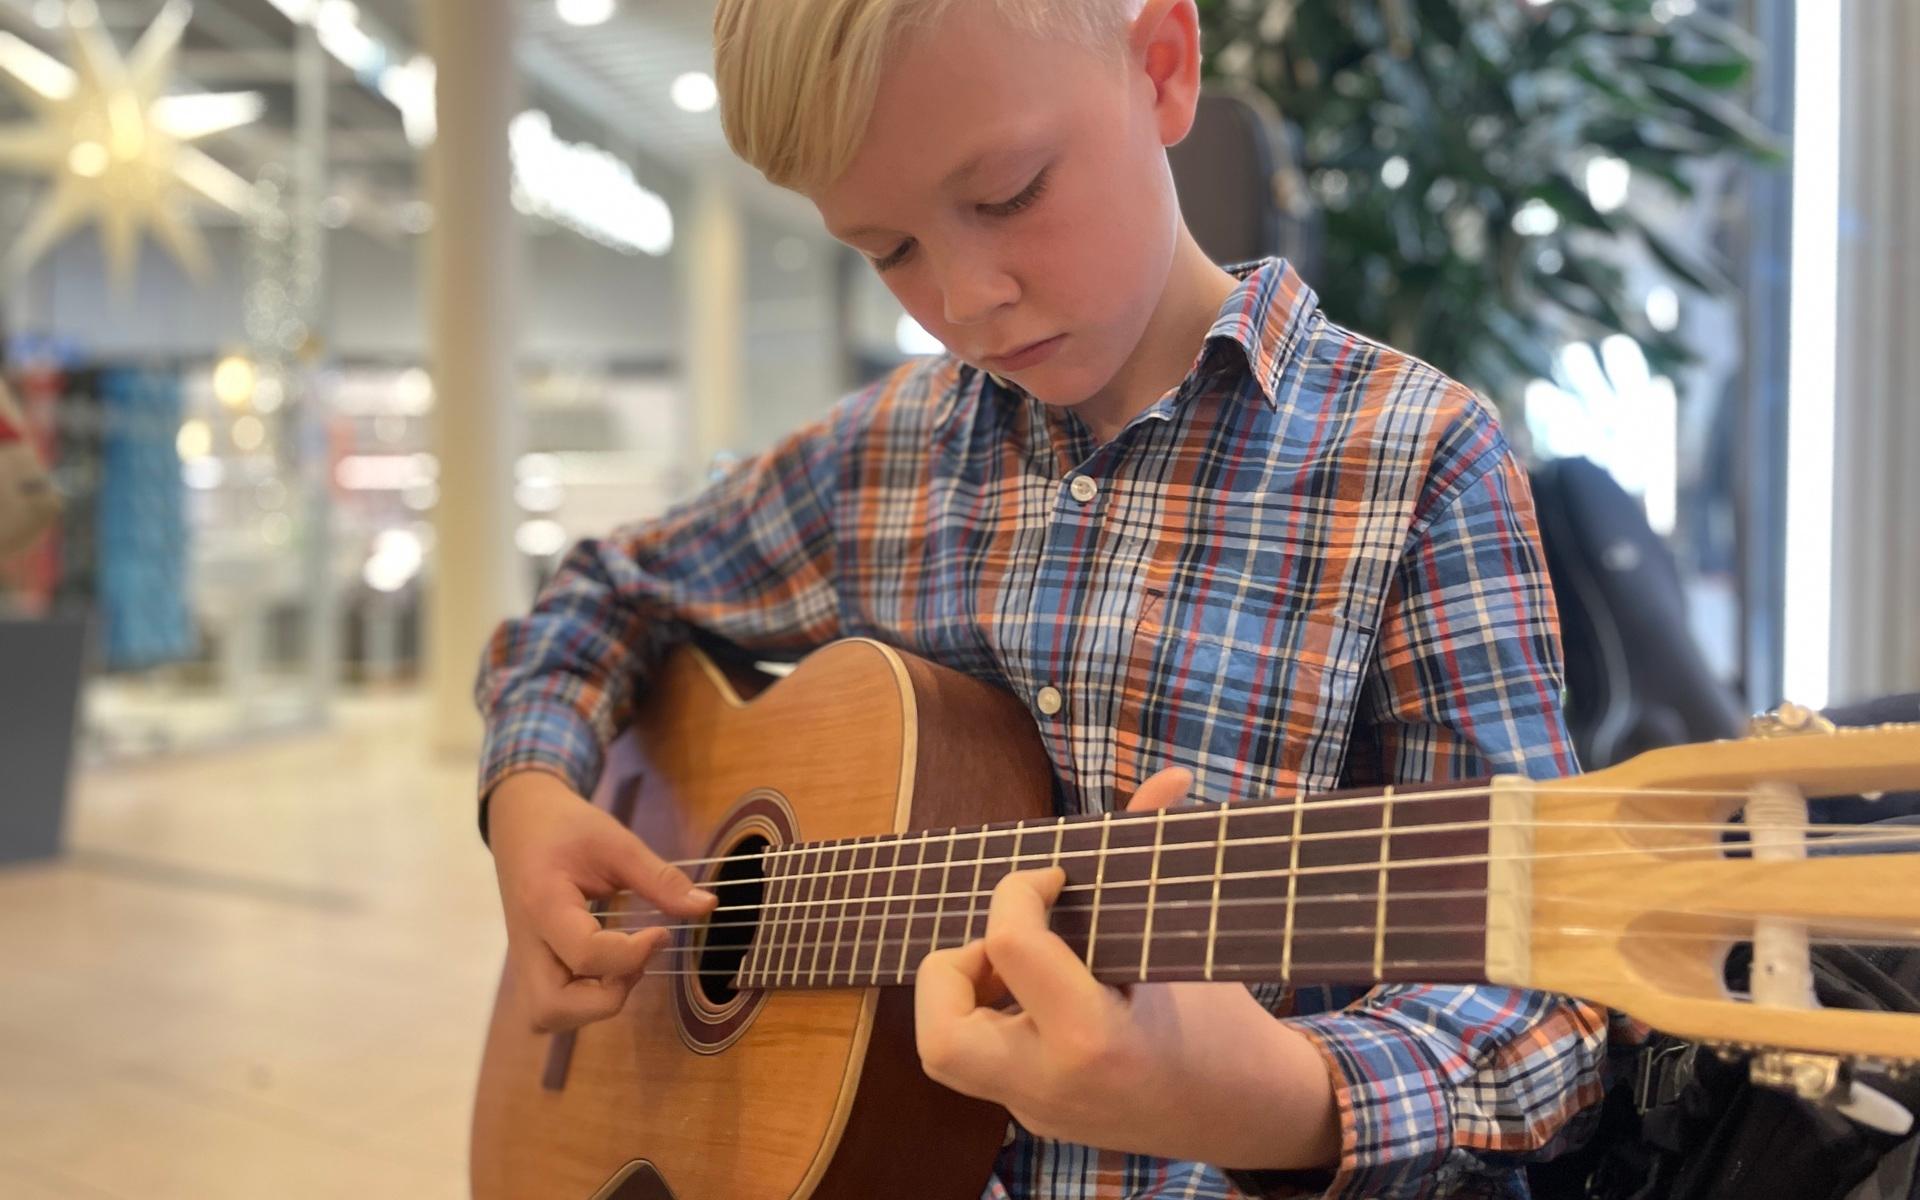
[(115, 147)]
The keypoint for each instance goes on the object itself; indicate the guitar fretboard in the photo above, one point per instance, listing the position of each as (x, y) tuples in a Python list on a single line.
[(1349, 887)]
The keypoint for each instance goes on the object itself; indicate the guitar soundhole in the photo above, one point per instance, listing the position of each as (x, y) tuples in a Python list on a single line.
[(714, 1013), (741, 884)]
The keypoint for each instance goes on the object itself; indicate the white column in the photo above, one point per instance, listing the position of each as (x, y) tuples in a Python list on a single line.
[(713, 279), (1876, 528), (472, 272), (310, 187)]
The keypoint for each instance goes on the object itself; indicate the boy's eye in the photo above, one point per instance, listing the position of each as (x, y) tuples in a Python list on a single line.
[(1004, 208), (891, 260), (1027, 196)]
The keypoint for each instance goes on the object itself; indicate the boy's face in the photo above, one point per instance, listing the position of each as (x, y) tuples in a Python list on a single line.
[(1013, 191)]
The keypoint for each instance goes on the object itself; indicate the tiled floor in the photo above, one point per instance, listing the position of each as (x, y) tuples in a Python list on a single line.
[(263, 973)]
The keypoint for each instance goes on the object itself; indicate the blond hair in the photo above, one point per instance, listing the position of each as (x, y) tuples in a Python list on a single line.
[(798, 78)]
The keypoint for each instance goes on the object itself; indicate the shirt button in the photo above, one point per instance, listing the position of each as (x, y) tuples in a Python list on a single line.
[(1050, 701), (1083, 488)]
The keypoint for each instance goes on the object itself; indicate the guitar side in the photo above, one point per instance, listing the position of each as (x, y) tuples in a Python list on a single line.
[(817, 1093)]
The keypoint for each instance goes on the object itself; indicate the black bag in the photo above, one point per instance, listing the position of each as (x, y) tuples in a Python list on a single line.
[(1635, 678)]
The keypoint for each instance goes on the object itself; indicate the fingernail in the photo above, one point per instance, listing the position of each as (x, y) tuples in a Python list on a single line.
[(701, 894)]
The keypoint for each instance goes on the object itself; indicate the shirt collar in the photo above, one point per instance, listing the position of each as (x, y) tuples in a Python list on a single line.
[(1265, 316)]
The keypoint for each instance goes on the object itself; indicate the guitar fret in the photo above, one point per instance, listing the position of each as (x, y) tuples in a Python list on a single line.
[(886, 907), (1153, 887), (814, 914), (838, 921), (913, 900), (796, 946), (1380, 913), (820, 922), (749, 973), (1013, 861), (946, 872), (854, 973), (1099, 882), (1441, 833), (973, 893), (767, 937), (776, 940), (846, 914), (1340, 933), (1059, 831), (1213, 915), (1293, 886)]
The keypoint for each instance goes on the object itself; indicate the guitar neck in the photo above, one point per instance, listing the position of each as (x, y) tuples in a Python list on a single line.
[(1343, 888)]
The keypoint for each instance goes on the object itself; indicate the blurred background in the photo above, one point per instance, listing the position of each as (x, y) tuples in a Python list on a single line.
[(334, 323)]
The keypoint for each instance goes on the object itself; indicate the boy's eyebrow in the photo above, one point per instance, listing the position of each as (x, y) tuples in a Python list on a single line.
[(960, 173)]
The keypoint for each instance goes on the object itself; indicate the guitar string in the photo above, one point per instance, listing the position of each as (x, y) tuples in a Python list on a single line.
[(1823, 932), (1861, 932), (1900, 940), (1364, 969), (1316, 804), (1860, 925), (1043, 859)]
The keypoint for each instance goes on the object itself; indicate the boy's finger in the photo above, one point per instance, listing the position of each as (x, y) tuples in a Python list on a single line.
[(634, 866), (556, 1002), (1040, 969), (1164, 790), (961, 1044), (585, 948)]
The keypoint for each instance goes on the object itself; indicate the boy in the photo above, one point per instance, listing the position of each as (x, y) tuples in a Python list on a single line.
[(1200, 530)]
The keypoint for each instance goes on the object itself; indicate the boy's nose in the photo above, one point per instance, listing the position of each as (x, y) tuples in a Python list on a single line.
[(972, 294)]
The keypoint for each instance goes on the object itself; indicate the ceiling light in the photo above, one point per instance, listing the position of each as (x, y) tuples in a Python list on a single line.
[(694, 92), (233, 382), (584, 12)]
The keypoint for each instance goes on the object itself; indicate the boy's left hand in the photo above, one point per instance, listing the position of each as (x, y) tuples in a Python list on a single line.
[(1194, 1071)]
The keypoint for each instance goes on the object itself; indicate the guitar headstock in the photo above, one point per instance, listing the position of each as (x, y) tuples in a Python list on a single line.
[(1639, 880)]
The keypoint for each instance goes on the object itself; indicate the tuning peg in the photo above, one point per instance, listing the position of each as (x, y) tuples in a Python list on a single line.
[(1819, 1078), (1789, 720), (1827, 1080)]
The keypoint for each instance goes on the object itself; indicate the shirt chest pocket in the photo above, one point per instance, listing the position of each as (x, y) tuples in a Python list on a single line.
[(1254, 695)]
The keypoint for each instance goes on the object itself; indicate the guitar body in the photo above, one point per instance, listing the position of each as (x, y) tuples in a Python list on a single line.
[(699, 1093)]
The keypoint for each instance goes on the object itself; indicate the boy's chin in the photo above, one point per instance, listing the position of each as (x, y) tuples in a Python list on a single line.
[(1057, 388)]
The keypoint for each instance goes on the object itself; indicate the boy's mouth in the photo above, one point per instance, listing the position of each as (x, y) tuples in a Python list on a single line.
[(1029, 355)]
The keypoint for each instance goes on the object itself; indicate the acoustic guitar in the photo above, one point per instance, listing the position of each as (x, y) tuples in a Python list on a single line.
[(856, 815)]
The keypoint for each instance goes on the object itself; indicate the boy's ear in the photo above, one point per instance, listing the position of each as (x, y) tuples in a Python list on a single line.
[(1165, 43)]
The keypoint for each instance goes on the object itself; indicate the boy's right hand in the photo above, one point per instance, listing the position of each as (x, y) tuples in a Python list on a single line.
[(551, 851)]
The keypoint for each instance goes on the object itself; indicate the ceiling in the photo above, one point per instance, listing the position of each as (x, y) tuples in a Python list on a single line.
[(609, 84)]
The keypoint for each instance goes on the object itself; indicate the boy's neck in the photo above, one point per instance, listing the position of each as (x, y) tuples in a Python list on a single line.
[(1196, 289)]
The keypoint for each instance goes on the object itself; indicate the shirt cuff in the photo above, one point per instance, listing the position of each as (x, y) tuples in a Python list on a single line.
[(548, 737), (1396, 1122)]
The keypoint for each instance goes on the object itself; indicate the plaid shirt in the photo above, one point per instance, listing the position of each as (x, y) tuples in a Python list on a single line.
[(1313, 564)]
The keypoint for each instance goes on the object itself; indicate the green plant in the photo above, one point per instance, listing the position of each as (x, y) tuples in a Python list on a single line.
[(1448, 145)]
